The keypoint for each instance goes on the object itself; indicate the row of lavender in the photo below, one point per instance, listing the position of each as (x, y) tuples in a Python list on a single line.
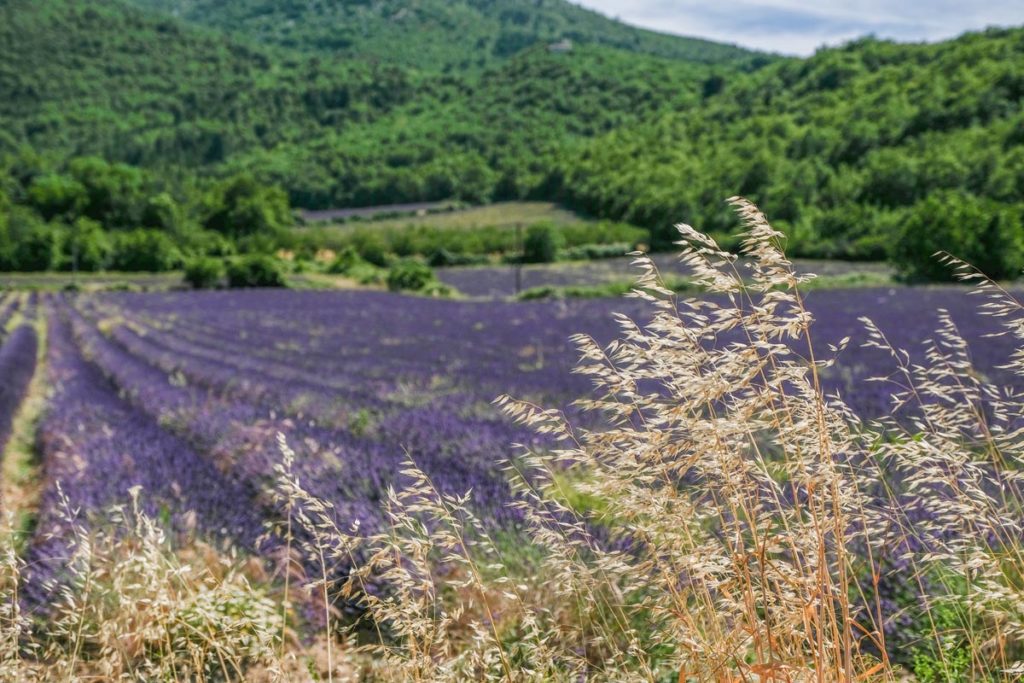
[(9, 306), (502, 281), (18, 352)]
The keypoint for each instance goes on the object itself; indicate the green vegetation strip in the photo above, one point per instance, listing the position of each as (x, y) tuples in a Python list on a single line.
[(681, 285)]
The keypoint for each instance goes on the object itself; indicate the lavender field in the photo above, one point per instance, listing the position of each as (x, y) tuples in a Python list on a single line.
[(184, 394)]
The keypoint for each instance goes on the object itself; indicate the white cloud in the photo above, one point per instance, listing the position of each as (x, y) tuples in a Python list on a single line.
[(801, 26)]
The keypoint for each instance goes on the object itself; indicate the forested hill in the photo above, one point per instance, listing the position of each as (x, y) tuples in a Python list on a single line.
[(870, 150), (855, 152), (99, 77), (137, 87), (449, 35)]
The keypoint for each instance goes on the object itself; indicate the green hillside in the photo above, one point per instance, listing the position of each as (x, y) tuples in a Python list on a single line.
[(857, 152), (98, 77), (867, 151), (434, 34), (504, 135), (133, 87)]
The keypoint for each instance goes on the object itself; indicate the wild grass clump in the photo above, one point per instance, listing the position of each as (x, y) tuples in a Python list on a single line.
[(747, 527), (128, 605)]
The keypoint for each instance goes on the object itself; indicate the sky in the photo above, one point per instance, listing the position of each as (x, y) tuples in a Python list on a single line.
[(798, 27)]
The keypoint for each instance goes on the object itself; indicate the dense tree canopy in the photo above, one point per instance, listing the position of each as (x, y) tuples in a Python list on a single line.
[(842, 150), (449, 35)]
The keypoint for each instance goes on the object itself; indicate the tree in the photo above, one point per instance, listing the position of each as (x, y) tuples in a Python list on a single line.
[(983, 232), (542, 243), (87, 247), (242, 207), (114, 192), (144, 250), (204, 272), (161, 212), (37, 250), (257, 270)]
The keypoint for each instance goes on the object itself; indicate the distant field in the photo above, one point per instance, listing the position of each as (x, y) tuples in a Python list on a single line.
[(503, 214), (372, 212), (90, 281), (476, 235), (500, 281)]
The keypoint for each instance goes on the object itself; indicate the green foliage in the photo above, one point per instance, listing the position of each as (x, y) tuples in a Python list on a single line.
[(987, 234), (944, 655), (56, 195), (409, 275), (441, 257), (204, 272), (143, 89), (839, 149), (352, 265), (542, 244), (242, 207), (368, 274), (612, 289), (450, 245), (331, 130), (257, 270), (591, 252), (438, 290), (211, 244), (87, 247), (36, 249), (144, 250), (114, 193), (346, 261), (162, 212)]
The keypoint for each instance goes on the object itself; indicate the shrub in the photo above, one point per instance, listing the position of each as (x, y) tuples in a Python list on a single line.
[(258, 270), (542, 244), (243, 207), (346, 260), (204, 273), (441, 258), (36, 250), (373, 249), (211, 243), (410, 276), (592, 252), (438, 290)]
